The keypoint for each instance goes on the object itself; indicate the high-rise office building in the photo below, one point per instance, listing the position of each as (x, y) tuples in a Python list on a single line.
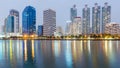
[(29, 20), (9, 23), (106, 16), (73, 13), (40, 30), (96, 19), (49, 22), (15, 14), (86, 20)]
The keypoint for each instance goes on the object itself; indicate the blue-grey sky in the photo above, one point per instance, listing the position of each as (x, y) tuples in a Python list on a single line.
[(62, 7)]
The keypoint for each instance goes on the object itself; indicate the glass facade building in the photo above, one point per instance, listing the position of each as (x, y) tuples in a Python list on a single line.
[(29, 20), (73, 13), (96, 19), (106, 16), (86, 20), (40, 30), (15, 14), (10, 24)]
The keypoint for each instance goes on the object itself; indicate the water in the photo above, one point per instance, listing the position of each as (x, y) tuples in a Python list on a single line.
[(59, 54)]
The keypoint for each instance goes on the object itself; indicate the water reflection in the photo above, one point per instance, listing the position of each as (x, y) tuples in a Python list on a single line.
[(59, 54)]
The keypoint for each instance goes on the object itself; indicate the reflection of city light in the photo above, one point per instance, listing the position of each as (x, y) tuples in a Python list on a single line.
[(68, 54), (74, 44), (74, 51), (106, 48), (57, 48), (81, 46), (33, 55), (89, 49), (1, 51), (117, 44), (111, 52), (11, 50), (25, 49), (110, 45), (67, 43)]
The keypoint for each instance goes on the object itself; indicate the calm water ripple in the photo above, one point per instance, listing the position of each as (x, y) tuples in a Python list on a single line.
[(59, 54)]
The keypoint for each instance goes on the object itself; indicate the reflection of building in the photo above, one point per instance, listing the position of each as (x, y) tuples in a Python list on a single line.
[(106, 16), (15, 14), (40, 30), (73, 12), (96, 19), (49, 22), (29, 53), (76, 26), (86, 20), (29, 20), (112, 28)]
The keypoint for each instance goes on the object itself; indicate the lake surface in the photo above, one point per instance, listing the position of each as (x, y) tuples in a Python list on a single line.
[(59, 54)]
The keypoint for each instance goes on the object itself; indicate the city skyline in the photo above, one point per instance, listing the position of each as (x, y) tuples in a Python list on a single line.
[(61, 18)]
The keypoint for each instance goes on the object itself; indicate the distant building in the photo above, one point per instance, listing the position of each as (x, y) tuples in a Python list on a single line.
[(40, 30), (49, 22), (86, 20), (29, 20), (96, 19), (112, 28), (15, 14), (106, 16), (59, 31), (76, 28), (5, 23), (73, 13), (67, 28)]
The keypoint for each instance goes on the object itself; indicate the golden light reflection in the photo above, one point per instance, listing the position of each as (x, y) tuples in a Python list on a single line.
[(33, 52), (74, 51), (110, 45), (89, 48), (106, 47), (25, 49), (81, 45), (74, 44)]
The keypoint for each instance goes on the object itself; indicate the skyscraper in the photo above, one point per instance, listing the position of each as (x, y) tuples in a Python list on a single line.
[(73, 13), (106, 16), (15, 14), (49, 22), (86, 20), (29, 20), (9, 23), (96, 19)]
